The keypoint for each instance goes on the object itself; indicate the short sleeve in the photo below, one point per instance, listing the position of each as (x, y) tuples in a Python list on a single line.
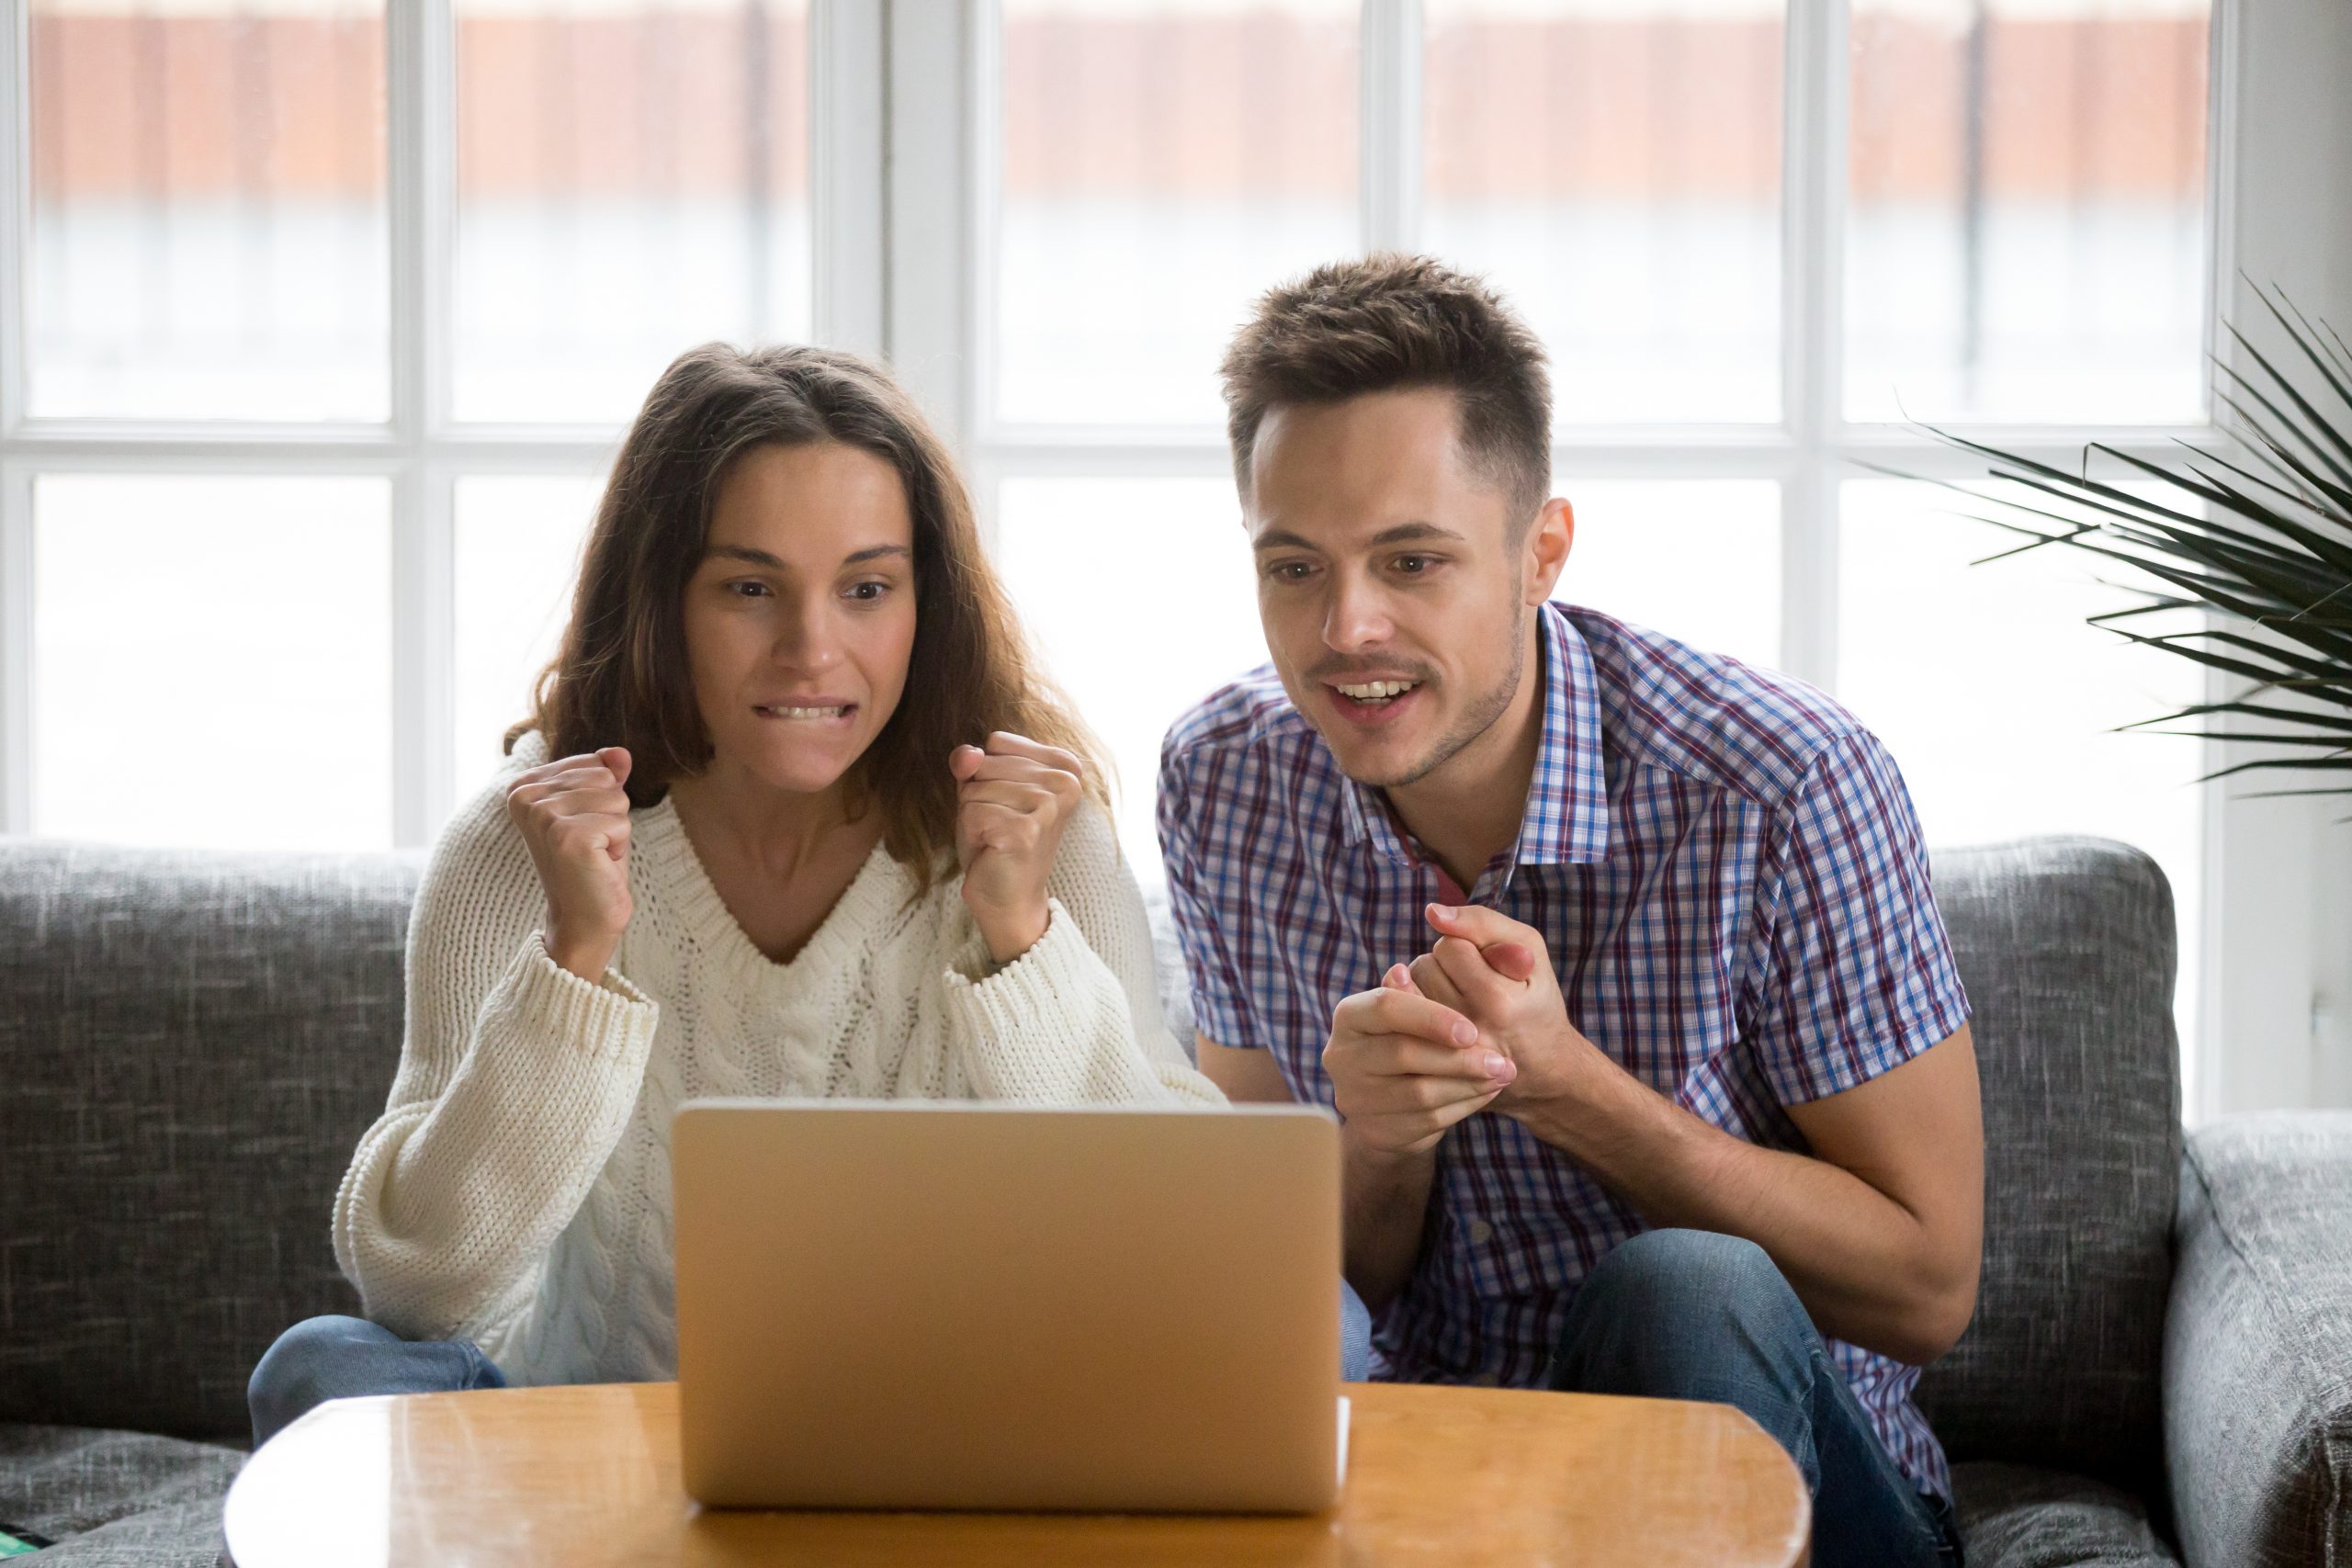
[(1856, 972), (1198, 889)]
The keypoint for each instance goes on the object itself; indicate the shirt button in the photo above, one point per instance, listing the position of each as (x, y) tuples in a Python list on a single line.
[(1481, 1233)]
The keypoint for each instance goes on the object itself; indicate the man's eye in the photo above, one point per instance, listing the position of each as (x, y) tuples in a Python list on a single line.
[(1288, 571), (1412, 566)]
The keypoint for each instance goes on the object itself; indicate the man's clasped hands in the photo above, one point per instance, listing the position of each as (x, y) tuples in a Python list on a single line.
[(1475, 1021)]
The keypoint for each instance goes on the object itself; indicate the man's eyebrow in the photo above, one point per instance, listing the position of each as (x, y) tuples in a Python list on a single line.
[(761, 558), (1402, 533), (1414, 533)]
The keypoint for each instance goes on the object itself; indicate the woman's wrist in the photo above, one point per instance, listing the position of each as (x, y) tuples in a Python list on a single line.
[(1010, 933), (587, 956)]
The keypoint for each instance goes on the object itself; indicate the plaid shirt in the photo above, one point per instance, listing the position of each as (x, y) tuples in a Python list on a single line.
[(1727, 871)]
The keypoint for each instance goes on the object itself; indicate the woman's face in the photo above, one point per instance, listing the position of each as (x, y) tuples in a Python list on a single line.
[(800, 616)]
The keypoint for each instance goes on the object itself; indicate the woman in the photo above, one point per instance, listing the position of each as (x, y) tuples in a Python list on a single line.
[(795, 816)]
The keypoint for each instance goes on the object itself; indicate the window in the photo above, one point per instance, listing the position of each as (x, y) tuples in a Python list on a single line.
[(1755, 236), (325, 314), (331, 317)]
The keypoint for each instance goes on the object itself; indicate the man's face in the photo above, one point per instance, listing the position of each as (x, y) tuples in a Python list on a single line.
[(1392, 583)]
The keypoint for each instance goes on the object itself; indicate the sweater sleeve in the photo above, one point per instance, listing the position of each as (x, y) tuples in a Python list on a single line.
[(1076, 1019), (515, 1080)]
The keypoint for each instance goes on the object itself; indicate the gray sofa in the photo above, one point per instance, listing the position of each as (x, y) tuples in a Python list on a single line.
[(2160, 1370)]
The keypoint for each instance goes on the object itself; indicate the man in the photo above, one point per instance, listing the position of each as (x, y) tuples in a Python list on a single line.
[(1617, 959)]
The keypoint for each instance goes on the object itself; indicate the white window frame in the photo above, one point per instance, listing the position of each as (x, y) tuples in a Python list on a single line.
[(902, 174), (420, 450)]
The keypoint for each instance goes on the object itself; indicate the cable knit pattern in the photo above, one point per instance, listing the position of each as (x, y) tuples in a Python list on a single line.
[(517, 1190)]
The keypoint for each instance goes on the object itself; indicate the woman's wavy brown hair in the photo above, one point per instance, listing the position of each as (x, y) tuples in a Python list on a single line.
[(621, 677)]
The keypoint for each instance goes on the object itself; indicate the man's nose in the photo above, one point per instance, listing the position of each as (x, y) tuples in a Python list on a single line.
[(1357, 617)]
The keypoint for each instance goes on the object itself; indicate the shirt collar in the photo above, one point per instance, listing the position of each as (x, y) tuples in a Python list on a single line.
[(1567, 816)]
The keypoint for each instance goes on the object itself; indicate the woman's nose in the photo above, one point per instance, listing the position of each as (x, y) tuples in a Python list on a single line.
[(805, 641)]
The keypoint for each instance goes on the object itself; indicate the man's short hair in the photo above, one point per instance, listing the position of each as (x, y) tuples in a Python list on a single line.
[(1389, 322)]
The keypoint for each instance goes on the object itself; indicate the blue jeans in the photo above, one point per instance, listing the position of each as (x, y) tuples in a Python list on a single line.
[(344, 1357), (1355, 1336), (1690, 1315)]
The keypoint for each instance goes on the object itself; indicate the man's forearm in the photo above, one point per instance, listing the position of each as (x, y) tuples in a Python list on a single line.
[(1861, 1263), (1383, 1198)]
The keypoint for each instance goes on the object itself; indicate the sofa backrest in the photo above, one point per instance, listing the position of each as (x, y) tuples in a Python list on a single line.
[(2066, 947), (190, 1044)]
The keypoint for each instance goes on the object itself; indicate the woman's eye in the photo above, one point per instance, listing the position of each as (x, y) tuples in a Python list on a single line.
[(867, 592), (747, 589)]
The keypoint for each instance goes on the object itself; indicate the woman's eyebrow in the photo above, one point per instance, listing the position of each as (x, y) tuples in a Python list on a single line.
[(744, 553), (774, 563)]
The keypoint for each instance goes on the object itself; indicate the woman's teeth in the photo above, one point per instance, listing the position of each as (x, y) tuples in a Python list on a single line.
[(1378, 691), (805, 713)]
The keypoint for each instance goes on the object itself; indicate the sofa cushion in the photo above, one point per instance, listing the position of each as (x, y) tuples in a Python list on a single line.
[(2013, 1516), (2258, 1343), (192, 1044), (123, 1499), (1168, 962), (2066, 946)]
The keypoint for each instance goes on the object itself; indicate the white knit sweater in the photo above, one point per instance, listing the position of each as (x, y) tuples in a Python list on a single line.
[(517, 1190)]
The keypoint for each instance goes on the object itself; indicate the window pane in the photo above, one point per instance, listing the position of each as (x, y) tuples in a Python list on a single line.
[(211, 662), (2000, 703), (1614, 166), (208, 228), (1698, 560), (517, 556), (1164, 162), (1132, 662), (2025, 237), (632, 180)]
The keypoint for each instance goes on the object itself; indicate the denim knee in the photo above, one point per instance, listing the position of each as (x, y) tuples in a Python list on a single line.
[(295, 1373), (1680, 1313), (1680, 1271)]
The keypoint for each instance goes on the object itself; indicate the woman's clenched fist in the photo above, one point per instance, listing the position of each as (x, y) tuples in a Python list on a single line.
[(1013, 798), (574, 816)]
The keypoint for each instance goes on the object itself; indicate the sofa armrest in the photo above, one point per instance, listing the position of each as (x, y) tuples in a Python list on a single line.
[(2258, 1342)]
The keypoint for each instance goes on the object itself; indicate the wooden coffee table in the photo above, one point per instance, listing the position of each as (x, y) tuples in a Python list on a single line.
[(583, 1477)]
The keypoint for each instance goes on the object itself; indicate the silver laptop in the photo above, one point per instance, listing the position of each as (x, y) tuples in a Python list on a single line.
[(920, 1306)]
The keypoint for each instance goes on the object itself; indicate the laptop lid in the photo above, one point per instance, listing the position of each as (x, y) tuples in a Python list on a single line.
[(911, 1304)]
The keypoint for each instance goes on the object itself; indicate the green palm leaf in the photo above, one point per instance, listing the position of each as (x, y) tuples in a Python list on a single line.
[(2258, 540)]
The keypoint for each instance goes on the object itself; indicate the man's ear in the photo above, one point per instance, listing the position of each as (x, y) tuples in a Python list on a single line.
[(1548, 540)]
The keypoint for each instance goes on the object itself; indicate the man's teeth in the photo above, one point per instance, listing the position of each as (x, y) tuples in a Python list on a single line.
[(1377, 689), (805, 713)]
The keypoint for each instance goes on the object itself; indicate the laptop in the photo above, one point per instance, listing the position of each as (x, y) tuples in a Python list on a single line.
[(909, 1304)]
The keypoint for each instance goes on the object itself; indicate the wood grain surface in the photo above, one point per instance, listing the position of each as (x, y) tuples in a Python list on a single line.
[(587, 1476)]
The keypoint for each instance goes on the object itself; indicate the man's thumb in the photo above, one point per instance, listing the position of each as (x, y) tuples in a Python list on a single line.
[(1512, 960)]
